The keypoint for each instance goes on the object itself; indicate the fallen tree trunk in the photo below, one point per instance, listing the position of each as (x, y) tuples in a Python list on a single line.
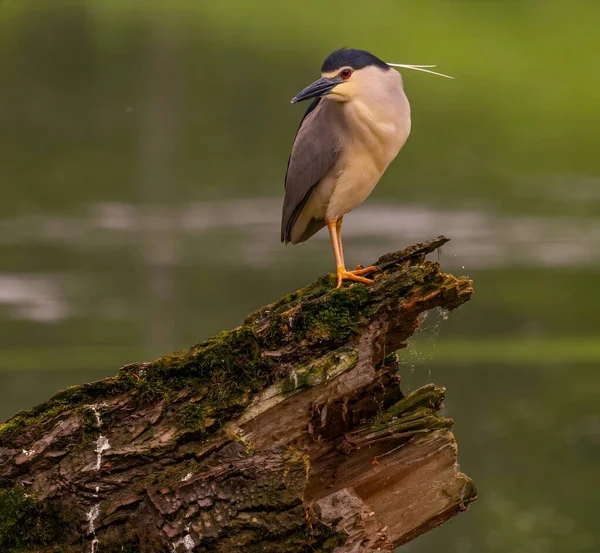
[(289, 433)]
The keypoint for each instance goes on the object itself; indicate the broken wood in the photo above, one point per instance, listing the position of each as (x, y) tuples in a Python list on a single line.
[(287, 434)]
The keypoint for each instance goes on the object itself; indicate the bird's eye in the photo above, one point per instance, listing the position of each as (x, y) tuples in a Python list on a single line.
[(345, 74)]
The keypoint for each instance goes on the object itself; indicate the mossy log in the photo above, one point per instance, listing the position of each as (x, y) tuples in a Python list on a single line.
[(287, 434)]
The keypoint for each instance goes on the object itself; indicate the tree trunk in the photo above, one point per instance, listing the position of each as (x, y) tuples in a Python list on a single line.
[(286, 434)]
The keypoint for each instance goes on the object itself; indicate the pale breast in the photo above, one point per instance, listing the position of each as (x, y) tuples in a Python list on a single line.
[(375, 128)]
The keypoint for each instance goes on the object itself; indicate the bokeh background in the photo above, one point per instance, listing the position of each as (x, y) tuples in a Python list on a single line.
[(142, 153)]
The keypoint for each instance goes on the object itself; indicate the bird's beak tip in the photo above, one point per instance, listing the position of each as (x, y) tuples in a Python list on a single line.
[(294, 100)]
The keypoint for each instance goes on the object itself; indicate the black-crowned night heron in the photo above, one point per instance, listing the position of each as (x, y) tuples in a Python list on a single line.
[(355, 126)]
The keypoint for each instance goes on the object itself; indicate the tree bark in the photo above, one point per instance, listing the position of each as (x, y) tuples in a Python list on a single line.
[(287, 434)]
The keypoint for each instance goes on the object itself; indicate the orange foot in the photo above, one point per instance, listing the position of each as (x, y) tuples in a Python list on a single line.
[(342, 275)]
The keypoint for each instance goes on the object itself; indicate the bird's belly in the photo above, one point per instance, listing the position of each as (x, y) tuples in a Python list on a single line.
[(357, 178), (351, 190)]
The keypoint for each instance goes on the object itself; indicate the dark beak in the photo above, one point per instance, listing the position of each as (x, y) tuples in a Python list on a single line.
[(319, 88)]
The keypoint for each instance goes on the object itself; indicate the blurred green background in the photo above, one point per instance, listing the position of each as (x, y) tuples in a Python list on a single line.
[(142, 153)]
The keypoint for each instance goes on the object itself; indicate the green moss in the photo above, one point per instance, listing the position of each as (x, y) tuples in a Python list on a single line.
[(226, 370), (316, 313), (231, 358), (230, 364), (288, 299), (193, 417), (429, 397), (275, 334), (227, 363), (414, 414), (89, 426), (62, 402), (293, 383), (9, 429), (316, 372), (418, 422), (148, 390), (26, 522), (334, 317)]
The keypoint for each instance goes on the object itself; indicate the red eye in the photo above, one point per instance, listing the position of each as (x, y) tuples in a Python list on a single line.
[(345, 74)]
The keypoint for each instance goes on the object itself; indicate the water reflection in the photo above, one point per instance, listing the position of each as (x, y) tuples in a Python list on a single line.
[(33, 297), (487, 238), (481, 240)]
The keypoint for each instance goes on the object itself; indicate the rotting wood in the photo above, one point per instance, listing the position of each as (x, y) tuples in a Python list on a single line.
[(289, 433)]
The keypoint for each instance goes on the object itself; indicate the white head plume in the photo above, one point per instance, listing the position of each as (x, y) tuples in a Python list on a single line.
[(419, 68)]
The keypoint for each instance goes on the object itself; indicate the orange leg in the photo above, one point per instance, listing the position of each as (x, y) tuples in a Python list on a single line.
[(360, 270), (335, 233), (338, 228)]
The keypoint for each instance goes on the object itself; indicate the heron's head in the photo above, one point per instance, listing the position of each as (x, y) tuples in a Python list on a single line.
[(347, 74), (344, 74)]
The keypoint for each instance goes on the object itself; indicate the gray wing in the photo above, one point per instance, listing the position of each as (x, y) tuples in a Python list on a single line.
[(314, 151)]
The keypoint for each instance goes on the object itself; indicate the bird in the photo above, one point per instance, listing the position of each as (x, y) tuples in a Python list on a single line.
[(357, 122)]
